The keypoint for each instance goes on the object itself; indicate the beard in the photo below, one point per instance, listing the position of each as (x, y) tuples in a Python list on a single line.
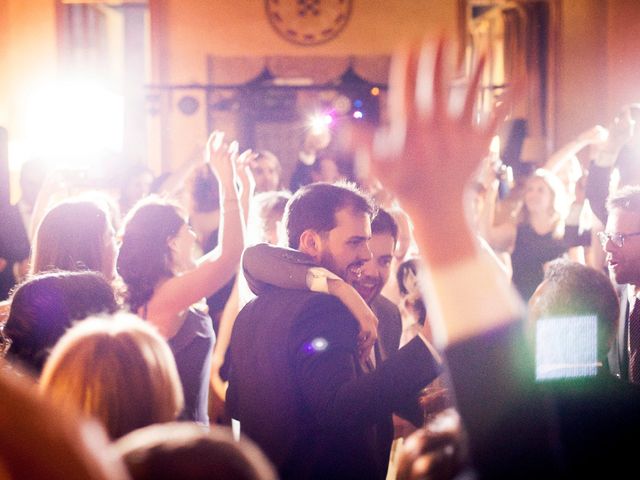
[(352, 273), (328, 261)]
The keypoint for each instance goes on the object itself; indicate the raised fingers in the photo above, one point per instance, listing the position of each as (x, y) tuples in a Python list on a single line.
[(472, 91), (440, 88)]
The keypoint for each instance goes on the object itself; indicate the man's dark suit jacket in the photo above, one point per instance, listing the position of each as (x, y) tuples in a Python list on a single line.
[(299, 392), (519, 428), (618, 357), (389, 325)]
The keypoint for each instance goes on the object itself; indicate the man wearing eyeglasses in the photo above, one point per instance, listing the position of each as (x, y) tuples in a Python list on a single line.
[(621, 243)]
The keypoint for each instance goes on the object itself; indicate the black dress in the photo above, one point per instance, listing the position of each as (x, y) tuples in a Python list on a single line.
[(532, 251)]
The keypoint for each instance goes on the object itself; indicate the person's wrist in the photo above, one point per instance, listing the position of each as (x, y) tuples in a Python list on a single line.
[(445, 240), (318, 279), (606, 158)]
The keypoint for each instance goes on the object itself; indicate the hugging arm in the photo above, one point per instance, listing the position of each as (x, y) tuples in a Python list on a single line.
[(267, 265)]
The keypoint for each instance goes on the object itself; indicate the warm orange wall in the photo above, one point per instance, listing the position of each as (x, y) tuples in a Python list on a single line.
[(580, 97), (184, 32), (195, 28), (27, 49), (623, 61), (27, 54), (598, 66)]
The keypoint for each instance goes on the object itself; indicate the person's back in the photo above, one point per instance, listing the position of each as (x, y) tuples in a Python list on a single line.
[(293, 434), (596, 411), (317, 412)]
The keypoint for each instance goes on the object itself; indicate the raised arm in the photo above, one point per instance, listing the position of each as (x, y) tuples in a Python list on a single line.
[(442, 151), (214, 269), (560, 157), (482, 335)]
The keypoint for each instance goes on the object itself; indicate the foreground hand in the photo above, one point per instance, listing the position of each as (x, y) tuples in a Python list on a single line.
[(428, 154)]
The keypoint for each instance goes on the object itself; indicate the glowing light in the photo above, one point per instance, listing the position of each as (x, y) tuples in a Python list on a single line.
[(319, 344), (316, 345), (375, 91), (358, 115), (320, 123), (69, 122), (357, 103), (494, 147)]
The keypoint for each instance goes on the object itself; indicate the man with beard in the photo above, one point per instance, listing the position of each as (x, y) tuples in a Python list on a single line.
[(621, 243), (297, 385), (267, 265)]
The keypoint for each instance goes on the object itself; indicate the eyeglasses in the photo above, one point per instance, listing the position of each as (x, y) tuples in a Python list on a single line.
[(616, 238)]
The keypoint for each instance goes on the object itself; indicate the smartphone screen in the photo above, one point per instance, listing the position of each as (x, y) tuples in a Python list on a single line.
[(566, 347)]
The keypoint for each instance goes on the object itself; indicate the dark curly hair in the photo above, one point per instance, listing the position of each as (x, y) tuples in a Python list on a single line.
[(145, 257)]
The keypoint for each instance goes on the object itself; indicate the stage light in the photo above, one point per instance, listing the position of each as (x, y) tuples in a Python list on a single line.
[(320, 122), (70, 123), (358, 115), (357, 103), (375, 91)]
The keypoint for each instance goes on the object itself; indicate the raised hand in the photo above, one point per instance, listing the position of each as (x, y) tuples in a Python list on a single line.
[(221, 156), (246, 180), (428, 153), (594, 135)]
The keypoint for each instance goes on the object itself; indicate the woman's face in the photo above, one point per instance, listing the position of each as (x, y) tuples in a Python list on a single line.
[(538, 197), (182, 246)]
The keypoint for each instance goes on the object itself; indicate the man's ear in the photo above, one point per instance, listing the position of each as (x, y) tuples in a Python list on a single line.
[(310, 243)]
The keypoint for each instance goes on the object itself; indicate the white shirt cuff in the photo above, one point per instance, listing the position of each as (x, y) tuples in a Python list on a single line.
[(317, 279)]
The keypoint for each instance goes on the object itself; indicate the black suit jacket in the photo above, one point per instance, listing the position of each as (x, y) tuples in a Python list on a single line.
[(389, 325), (518, 428), (14, 246), (618, 357), (298, 391)]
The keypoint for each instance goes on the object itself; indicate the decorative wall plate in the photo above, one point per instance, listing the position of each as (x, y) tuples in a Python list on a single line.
[(308, 22)]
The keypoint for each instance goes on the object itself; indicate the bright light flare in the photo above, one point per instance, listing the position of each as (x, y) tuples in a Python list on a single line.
[(320, 123), (494, 147), (73, 121)]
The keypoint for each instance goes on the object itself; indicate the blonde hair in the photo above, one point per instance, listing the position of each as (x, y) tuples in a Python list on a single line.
[(560, 206), (117, 369)]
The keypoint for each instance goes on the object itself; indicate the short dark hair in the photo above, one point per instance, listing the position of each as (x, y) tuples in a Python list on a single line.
[(383, 222), (626, 198), (44, 306), (314, 207), (575, 289)]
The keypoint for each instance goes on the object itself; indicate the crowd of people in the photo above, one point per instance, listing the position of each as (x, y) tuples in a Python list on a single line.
[(210, 322)]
